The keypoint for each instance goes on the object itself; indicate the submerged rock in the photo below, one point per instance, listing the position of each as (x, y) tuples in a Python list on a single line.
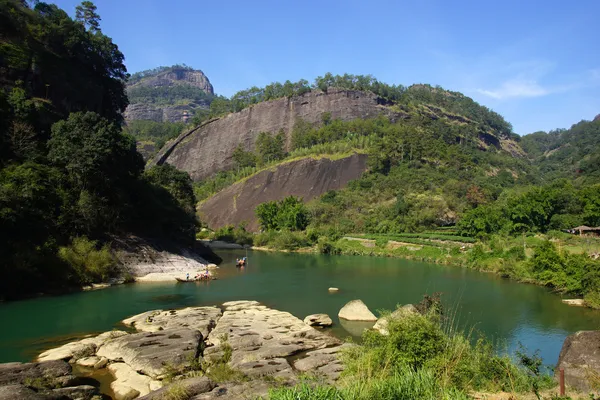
[(580, 358), (356, 310), (382, 323), (203, 319), (318, 320)]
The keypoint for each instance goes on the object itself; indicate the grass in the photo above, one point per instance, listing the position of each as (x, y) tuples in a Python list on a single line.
[(422, 357)]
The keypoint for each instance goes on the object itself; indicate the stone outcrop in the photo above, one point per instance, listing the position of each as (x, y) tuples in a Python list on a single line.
[(80, 349), (382, 323), (356, 310), (259, 343), (149, 261), (580, 358), (174, 112), (318, 320), (149, 352), (203, 319), (306, 178), (209, 148)]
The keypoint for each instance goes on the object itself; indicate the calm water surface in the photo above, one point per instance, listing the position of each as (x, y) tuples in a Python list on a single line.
[(505, 311)]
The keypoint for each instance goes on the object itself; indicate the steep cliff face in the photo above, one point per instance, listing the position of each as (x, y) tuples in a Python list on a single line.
[(306, 178), (154, 96), (209, 148)]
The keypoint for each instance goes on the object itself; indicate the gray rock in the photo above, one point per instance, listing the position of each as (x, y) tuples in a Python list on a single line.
[(20, 392), (192, 386), (149, 352), (83, 392), (318, 320), (580, 358), (203, 319), (79, 349), (356, 310), (20, 373), (323, 362), (356, 328)]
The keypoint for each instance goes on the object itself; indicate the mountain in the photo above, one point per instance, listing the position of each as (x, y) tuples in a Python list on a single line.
[(167, 94)]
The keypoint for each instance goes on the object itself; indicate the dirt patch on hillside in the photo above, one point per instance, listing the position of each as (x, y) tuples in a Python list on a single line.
[(306, 178)]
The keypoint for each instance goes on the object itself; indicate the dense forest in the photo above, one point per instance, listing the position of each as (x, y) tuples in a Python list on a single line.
[(70, 180)]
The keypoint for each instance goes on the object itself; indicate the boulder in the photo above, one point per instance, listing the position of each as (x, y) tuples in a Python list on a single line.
[(382, 323), (318, 320), (356, 310), (333, 289), (580, 358), (192, 386), (80, 349), (149, 352), (356, 328), (88, 362), (128, 384), (203, 319)]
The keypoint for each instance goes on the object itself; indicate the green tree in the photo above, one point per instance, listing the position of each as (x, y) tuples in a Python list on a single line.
[(242, 158), (270, 148), (267, 215), (86, 14)]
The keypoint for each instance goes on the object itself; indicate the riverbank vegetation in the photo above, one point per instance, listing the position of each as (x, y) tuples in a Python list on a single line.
[(70, 179), (424, 357)]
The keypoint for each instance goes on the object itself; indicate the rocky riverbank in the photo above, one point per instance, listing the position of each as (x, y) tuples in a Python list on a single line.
[(234, 351)]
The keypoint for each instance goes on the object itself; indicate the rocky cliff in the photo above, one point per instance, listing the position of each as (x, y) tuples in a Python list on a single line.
[(168, 110), (208, 149), (306, 178)]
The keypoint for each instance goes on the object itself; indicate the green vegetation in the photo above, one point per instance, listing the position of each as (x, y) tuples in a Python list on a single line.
[(424, 357), (157, 133), (289, 214), (70, 180)]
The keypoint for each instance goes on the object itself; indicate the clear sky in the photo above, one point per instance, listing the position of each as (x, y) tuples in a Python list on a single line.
[(535, 62)]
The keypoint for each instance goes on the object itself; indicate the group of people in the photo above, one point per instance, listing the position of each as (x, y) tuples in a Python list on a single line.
[(201, 276)]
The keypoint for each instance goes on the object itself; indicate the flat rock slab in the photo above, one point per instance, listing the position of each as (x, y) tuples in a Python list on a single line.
[(192, 387), (203, 319), (150, 352), (356, 310), (318, 320), (129, 384), (80, 349), (580, 358), (323, 362), (19, 373), (83, 392), (20, 392), (258, 333)]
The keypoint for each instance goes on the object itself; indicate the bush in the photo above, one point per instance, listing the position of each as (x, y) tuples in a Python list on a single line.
[(288, 240), (89, 264)]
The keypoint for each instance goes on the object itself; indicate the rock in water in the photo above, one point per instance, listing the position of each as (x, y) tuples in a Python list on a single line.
[(382, 323), (333, 289), (356, 310), (580, 358), (318, 320)]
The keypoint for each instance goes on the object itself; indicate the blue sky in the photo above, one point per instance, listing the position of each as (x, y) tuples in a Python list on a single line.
[(535, 62)]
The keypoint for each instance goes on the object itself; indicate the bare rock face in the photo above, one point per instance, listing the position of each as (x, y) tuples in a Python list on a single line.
[(209, 148), (580, 358), (356, 310), (306, 178), (178, 76)]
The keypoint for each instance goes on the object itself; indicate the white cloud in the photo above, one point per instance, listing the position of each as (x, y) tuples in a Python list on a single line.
[(516, 88)]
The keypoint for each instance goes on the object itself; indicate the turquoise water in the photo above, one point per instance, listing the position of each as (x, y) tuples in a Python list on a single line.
[(505, 311)]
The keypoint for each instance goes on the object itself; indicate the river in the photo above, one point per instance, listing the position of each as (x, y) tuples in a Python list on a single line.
[(507, 312)]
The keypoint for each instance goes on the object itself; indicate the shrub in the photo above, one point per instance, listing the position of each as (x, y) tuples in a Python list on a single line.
[(89, 263), (288, 240)]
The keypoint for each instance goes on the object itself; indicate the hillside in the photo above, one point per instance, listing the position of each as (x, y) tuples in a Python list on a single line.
[(306, 178), (209, 148)]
